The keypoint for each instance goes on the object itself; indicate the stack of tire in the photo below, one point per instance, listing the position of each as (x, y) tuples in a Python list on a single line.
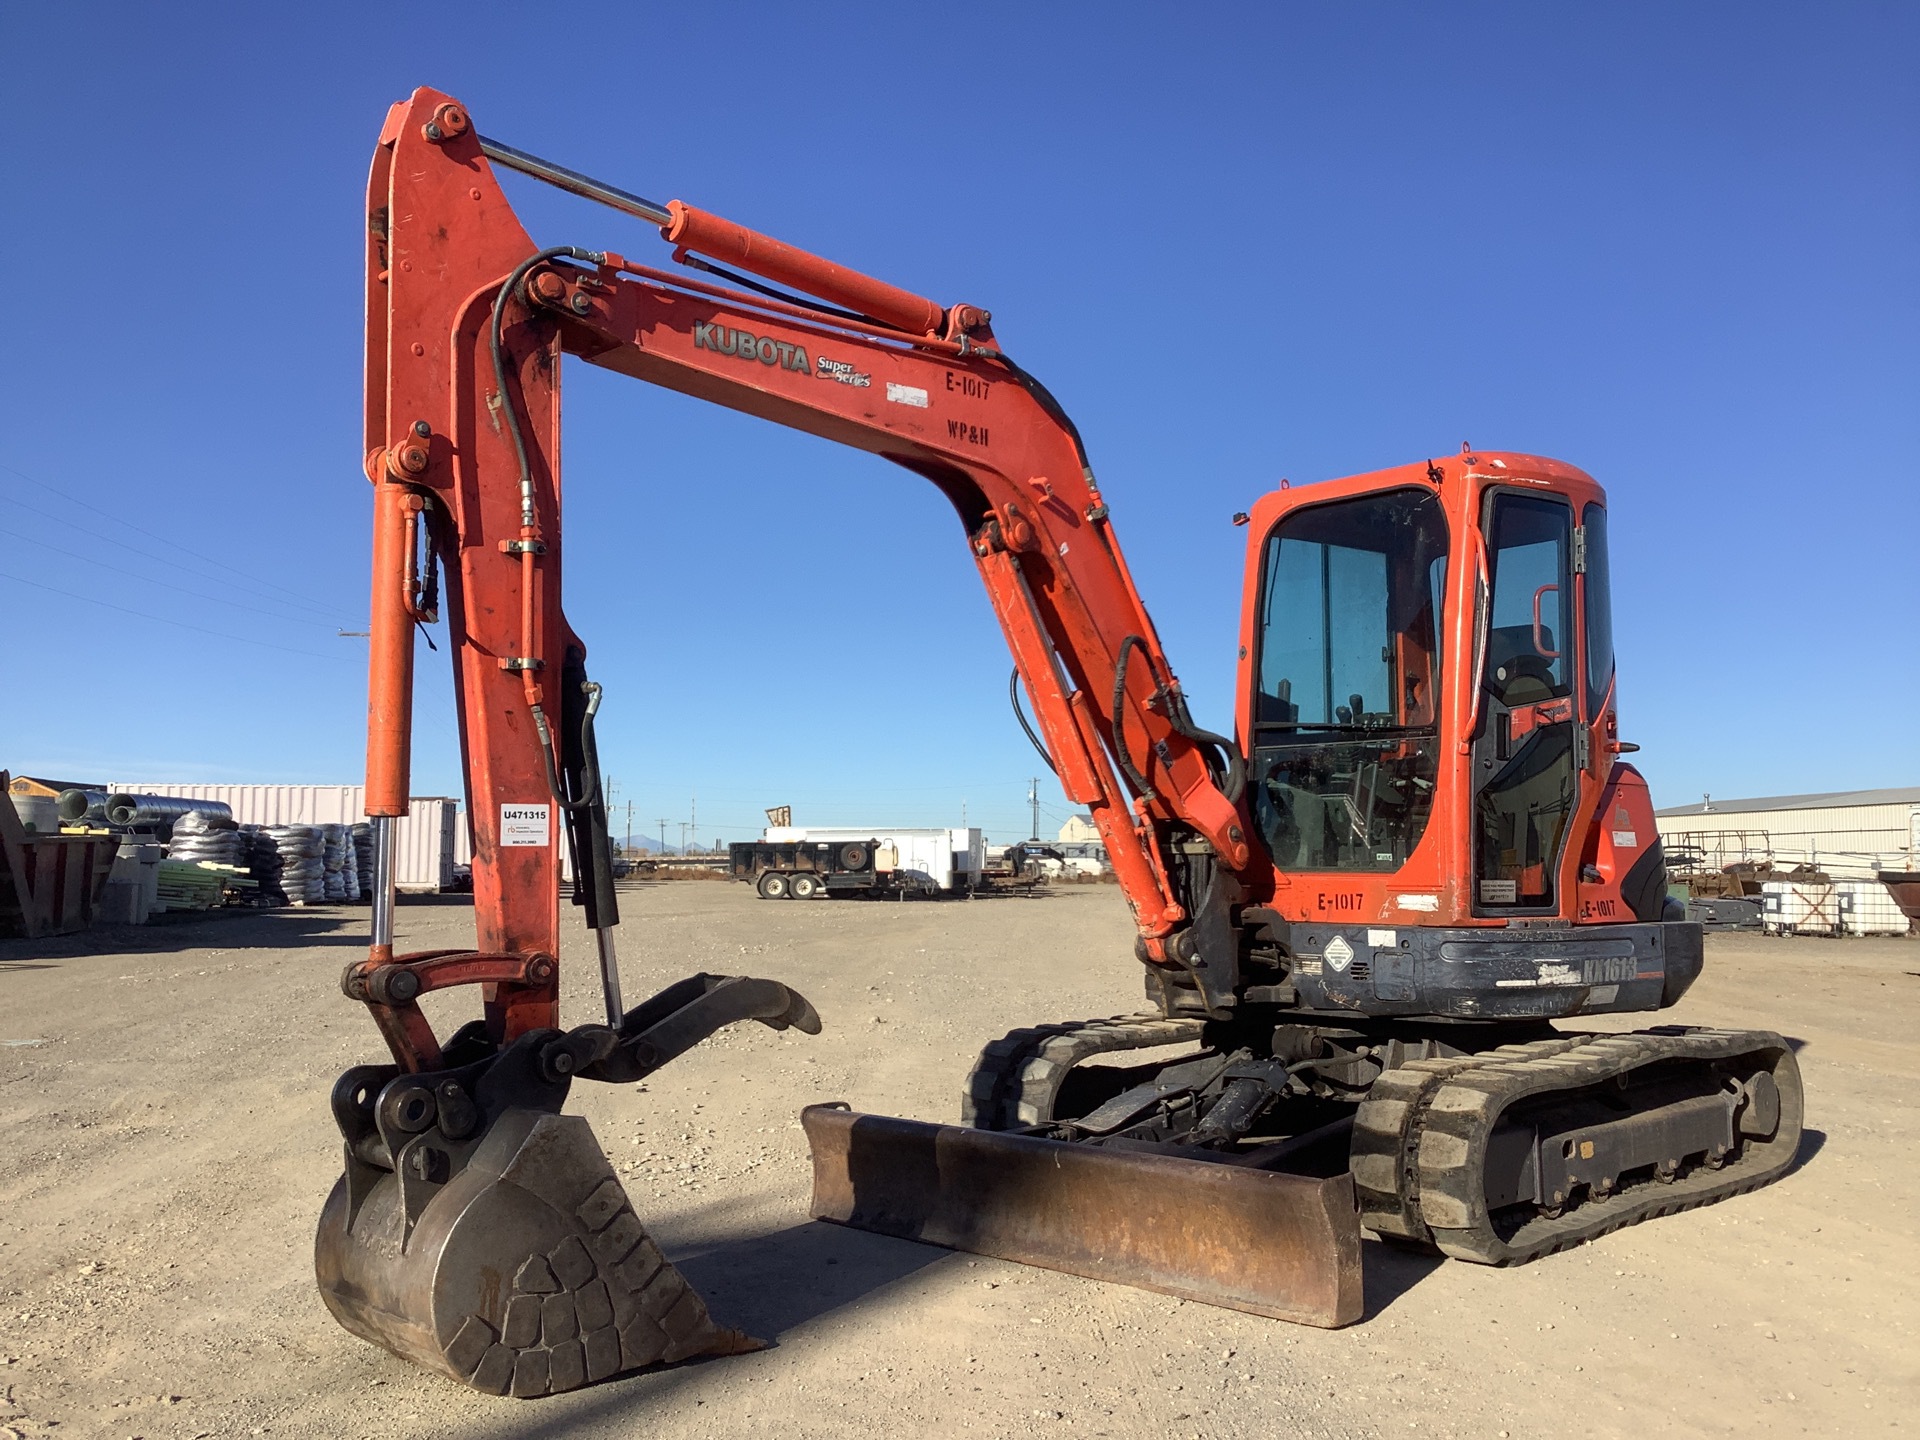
[(200, 835), (303, 870), (333, 859), (264, 864), (363, 858)]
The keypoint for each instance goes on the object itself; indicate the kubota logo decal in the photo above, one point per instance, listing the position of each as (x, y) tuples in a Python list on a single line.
[(726, 340)]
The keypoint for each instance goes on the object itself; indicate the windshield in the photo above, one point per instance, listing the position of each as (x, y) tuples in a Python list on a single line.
[(1345, 750), (1349, 625)]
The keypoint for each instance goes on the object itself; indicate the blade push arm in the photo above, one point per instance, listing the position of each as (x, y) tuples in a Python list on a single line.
[(467, 321)]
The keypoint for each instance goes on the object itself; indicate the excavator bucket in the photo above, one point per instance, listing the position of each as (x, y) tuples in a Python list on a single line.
[(1284, 1246), (481, 1233), (526, 1274)]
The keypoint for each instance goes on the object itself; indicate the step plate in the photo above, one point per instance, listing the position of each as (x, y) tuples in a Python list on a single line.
[(1283, 1246)]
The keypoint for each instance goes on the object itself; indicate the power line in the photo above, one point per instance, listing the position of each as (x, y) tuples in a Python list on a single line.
[(251, 608), (143, 615), (173, 560), (141, 530)]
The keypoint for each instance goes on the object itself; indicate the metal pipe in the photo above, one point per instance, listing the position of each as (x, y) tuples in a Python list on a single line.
[(610, 977), (77, 805), (382, 879), (141, 812), (573, 181)]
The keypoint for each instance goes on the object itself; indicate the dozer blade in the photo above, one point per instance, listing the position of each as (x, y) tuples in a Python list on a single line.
[(1284, 1246)]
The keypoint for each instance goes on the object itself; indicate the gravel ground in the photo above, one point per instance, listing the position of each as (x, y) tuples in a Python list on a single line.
[(165, 1147)]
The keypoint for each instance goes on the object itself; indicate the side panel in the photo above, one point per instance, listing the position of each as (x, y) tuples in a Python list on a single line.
[(1478, 974), (1621, 850)]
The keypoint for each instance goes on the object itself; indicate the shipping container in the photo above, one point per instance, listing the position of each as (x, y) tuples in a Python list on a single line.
[(425, 839)]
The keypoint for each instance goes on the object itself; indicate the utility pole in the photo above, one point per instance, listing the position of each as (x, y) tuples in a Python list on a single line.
[(1033, 799), (629, 834), (663, 835), (693, 818), (683, 837)]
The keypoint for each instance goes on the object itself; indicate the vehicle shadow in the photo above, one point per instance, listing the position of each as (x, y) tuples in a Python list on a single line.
[(770, 1284), (1389, 1271), (1812, 1142), (765, 1285), (237, 929)]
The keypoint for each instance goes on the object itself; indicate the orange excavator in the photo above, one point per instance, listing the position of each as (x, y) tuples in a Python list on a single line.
[(1357, 918)]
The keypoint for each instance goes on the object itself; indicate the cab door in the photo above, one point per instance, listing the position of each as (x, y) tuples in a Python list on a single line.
[(1525, 766)]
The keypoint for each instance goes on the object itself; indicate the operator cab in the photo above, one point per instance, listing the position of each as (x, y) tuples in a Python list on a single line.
[(1430, 639)]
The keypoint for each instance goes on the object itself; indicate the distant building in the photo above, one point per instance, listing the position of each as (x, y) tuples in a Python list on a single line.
[(1079, 830), (1847, 833)]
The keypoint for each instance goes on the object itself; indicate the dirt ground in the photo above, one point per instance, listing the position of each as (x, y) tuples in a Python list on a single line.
[(165, 1147)]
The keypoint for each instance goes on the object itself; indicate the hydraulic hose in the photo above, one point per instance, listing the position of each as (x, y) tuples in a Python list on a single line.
[(497, 348), (1127, 647), (1013, 694), (1228, 766), (1233, 784)]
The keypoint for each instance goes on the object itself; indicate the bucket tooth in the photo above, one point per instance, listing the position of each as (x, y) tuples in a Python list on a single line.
[(1284, 1246), (526, 1273)]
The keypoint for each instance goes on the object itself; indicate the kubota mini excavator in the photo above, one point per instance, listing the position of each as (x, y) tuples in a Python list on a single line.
[(1357, 917)]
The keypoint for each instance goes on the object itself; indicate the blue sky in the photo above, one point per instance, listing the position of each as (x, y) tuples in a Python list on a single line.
[(1674, 245)]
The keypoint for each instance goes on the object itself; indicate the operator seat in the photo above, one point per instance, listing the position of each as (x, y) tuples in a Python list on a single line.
[(1517, 673)]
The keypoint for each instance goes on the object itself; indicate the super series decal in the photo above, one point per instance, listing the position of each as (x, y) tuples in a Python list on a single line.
[(843, 373)]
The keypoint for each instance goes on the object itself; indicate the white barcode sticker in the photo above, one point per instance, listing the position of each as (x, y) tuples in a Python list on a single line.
[(524, 825), (907, 395)]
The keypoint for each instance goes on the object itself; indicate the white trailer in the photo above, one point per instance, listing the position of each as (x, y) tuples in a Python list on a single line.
[(930, 860)]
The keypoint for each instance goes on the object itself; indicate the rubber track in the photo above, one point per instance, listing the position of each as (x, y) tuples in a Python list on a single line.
[(1017, 1078), (1420, 1140)]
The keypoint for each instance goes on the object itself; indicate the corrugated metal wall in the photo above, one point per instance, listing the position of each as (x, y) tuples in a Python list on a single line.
[(1850, 840), (424, 840)]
